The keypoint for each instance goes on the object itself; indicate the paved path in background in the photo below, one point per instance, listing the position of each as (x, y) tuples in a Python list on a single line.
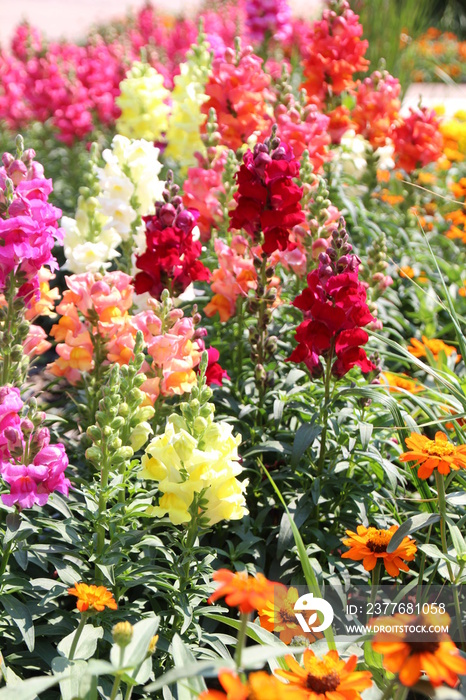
[(453, 97), (72, 18)]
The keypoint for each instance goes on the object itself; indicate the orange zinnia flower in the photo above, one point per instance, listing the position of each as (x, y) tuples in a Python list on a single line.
[(247, 593), (407, 271), (94, 597), (278, 616), (369, 545), (259, 685), (328, 678), (395, 382), (437, 454), (435, 346), (408, 654)]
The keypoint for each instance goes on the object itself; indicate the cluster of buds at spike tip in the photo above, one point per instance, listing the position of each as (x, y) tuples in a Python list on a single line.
[(373, 273), (337, 257), (121, 422)]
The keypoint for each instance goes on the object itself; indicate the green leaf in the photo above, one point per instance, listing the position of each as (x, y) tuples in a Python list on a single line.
[(208, 669), (21, 616), (305, 436), (87, 643), (308, 571), (457, 538), (365, 432), (417, 522), (29, 689), (74, 671), (269, 446), (182, 657)]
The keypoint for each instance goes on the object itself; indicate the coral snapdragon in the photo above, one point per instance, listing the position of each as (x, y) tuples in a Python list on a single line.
[(334, 52), (417, 140), (238, 89)]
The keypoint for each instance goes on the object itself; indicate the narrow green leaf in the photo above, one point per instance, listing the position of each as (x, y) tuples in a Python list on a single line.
[(417, 522), (21, 616)]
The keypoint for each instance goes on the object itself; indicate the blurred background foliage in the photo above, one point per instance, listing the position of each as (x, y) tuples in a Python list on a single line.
[(390, 24)]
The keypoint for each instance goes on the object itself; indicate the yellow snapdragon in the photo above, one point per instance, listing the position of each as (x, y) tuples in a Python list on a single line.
[(186, 465), (186, 119), (144, 112)]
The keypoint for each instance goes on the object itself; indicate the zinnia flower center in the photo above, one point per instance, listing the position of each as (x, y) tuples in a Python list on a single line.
[(287, 613), (439, 449), (325, 684), (321, 678), (377, 540)]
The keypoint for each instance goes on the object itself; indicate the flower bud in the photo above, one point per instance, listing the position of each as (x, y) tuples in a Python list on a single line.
[(94, 454), (122, 633), (152, 645)]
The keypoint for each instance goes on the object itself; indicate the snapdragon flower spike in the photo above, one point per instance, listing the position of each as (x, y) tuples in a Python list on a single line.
[(334, 52), (28, 222), (268, 18), (268, 199), (417, 139), (335, 310), (171, 257), (29, 464)]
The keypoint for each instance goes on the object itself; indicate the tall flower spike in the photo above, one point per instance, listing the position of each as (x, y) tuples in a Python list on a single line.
[(171, 257), (335, 308), (268, 199)]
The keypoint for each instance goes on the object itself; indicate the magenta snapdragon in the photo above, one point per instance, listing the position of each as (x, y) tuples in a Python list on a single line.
[(268, 18), (29, 464), (28, 224)]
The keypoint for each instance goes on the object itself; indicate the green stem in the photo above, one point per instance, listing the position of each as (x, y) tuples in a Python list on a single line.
[(323, 437), (375, 582), (77, 635), (442, 506), (102, 509), (260, 384), (5, 557), (8, 341), (422, 566), (388, 690), (115, 687), (240, 331), (244, 619)]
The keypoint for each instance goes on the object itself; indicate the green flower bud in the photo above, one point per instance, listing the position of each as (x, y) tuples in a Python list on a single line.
[(94, 432), (115, 443), (94, 454), (123, 410)]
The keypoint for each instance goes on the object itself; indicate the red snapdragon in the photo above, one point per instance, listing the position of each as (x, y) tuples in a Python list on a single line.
[(335, 309), (267, 198), (171, 257)]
